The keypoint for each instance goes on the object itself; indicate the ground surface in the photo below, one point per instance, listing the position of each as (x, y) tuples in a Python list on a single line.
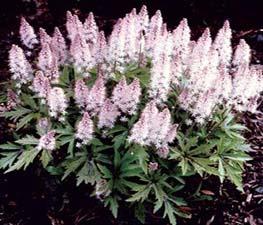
[(35, 198)]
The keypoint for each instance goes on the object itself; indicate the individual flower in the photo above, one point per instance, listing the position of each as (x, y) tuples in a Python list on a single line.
[(27, 34), (47, 141), (108, 114), (57, 103), (43, 125), (162, 152), (153, 166), (85, 129), (20, 68)]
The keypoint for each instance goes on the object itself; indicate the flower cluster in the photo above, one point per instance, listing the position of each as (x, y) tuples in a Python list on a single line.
[(133, 113), (206, 73), (154, 127)]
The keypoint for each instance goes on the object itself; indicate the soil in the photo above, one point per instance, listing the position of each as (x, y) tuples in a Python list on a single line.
[(34, 197)]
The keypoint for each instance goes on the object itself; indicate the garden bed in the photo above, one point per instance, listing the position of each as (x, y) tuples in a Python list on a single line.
[(34, 197)]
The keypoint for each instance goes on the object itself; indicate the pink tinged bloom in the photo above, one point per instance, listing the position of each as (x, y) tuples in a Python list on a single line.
[(97, 96), (47, 62), (91, 30), (43, 125), (247, 86), (161, 76), (143, 18), (155, 29), (153, 128), (132, 45), (81, 94), (171, 134), (242, 54), (222, 44), (181, 40), (101, 48), (153, 166), (12, 99), (57, 103), (44, 37), (74, 26), (41, 85), (81, 55), (127, 97), (163, 152), (199, 56), (47, 141), (27, 34), (116, 48), (59, 48), (108, 115), (20, 68), (85, 129)]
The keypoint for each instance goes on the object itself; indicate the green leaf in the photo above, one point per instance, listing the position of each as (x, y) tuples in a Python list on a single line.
[(169, 210), (221, 170), (26, 120), (141, 194), (142, 155), (8, 159), (119, 140), (17, 113), (72, 165), (88, 174), (235, 176), (55, 171), (9, 146), (105, 171), (139, 212), (45, 158), (29, 101), (116, 129), (184, 166), (24, 160), (113, 204), (28, 140)]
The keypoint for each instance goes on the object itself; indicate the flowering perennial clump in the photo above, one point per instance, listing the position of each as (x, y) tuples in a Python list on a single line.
[(135, 112)]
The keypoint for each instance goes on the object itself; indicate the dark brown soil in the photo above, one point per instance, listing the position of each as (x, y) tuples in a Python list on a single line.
[(34, 197)]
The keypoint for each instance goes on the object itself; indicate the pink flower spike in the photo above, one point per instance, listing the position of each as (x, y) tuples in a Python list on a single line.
[(91, 29), (81, 92), (97, 96), (27, 34), (57, 103), (41, 84), (58, 46), (85, 129), (20, 68), (44, 37), (47, 141), (108, 115)]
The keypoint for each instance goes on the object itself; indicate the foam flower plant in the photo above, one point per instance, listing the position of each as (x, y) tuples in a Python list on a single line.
[(132, 114)]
